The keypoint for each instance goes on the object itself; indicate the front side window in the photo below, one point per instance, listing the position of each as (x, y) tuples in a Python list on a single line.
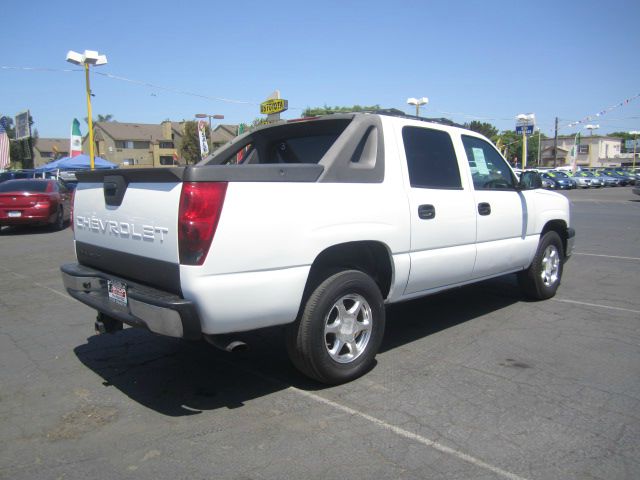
[(488, 169), (431, 159)]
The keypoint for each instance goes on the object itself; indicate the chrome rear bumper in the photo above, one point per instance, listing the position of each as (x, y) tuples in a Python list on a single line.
[(160, 312)]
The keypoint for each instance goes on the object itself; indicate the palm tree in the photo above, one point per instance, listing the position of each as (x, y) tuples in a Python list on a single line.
[(101, 118)]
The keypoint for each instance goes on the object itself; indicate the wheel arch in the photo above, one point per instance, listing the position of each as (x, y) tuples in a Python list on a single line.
[(369, 256), (560, 227)]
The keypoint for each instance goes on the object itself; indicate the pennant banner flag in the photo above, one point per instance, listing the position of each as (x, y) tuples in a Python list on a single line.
[(202, 134), (603, 112)]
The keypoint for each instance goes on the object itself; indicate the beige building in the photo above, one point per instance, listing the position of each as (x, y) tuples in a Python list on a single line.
[(593, 151), (137, 144), (49, 149), (143, 145)]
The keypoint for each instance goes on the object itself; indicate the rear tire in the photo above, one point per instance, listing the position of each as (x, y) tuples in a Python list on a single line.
[(542, 279), (340, 328)]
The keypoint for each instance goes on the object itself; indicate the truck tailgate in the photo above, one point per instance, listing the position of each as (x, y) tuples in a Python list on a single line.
[(144, 224)]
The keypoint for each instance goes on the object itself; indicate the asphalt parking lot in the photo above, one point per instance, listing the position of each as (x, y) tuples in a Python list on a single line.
[(471, 384)]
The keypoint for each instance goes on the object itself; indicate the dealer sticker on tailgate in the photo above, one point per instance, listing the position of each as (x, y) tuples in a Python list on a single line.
[(117, 292)]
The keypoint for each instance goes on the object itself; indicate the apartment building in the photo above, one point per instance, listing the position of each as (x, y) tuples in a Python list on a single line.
[(143, 145), (48, 149), (137, 144)]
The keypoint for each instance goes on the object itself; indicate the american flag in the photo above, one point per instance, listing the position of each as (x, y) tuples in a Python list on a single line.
[(4, 144)]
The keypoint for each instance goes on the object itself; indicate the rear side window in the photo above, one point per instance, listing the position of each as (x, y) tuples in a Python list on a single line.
[(431, 158), (24, 186)]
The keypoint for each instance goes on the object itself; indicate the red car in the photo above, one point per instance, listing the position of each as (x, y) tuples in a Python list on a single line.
[(35, 202)]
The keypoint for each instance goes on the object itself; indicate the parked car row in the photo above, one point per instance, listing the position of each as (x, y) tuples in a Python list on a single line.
[(588, 178)]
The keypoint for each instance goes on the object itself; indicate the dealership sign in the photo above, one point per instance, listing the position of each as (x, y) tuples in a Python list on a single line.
[(275, 105), (525, 123)]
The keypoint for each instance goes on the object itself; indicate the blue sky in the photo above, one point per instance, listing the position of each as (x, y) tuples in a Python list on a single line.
[(486, 61)]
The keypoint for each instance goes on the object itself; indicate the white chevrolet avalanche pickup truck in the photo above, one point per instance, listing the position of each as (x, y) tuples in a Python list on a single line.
[(316, 224)]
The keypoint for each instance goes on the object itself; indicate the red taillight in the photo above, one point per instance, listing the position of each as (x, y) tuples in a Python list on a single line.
[(200, 209), (41, 202)]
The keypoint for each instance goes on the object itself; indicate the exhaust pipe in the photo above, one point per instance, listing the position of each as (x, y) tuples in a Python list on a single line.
[(226, 343)]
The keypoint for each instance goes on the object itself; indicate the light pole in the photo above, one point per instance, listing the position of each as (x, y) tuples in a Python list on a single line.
[(591, 128), (205, 115), (635, 134), (90, 57), (417, 102), (539, 145)]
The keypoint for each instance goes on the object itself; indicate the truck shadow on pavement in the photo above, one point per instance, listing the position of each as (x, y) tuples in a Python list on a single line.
[(179, 378)]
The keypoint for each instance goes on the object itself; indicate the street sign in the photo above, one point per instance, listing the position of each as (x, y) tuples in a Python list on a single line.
[(528, 129), (275, 105)]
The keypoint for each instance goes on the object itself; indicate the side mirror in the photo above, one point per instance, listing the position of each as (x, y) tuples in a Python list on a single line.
[(530, 181)]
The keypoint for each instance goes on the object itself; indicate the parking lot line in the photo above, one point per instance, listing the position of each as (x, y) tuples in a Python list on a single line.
[(564, 300), (410, 436), (606, 256), (24, 277), (382, 424)]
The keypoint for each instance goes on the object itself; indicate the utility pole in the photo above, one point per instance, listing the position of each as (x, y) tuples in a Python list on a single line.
[(555, 145)]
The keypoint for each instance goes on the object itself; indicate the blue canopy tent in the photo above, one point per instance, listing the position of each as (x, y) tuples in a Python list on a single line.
[(79, 162)]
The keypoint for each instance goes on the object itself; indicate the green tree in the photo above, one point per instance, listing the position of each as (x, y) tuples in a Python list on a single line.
[(482, 128), (190, 145), (313, 112), (512, 142)]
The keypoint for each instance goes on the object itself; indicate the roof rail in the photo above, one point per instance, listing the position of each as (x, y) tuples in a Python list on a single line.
[(394, 112)]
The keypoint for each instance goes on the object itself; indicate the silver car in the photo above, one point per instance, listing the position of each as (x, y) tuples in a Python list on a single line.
[(586, 179)]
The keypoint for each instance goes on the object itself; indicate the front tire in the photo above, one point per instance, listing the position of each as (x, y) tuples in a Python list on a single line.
[(58, 223), (339, 331), (542, 279)]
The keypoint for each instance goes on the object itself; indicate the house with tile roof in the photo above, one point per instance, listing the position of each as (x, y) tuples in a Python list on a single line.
[(222, 134)]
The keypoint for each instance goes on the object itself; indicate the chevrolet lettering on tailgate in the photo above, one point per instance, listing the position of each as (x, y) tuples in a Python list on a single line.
[(121, 229)]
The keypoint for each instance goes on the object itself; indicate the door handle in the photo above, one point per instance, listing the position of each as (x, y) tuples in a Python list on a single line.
[(427, 212), (484, 208)]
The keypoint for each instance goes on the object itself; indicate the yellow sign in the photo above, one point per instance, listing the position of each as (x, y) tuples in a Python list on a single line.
[(276, 105)]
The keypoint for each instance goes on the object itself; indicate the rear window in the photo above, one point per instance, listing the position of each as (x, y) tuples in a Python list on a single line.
[(11, 175), (296, 143), (37, 186)]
